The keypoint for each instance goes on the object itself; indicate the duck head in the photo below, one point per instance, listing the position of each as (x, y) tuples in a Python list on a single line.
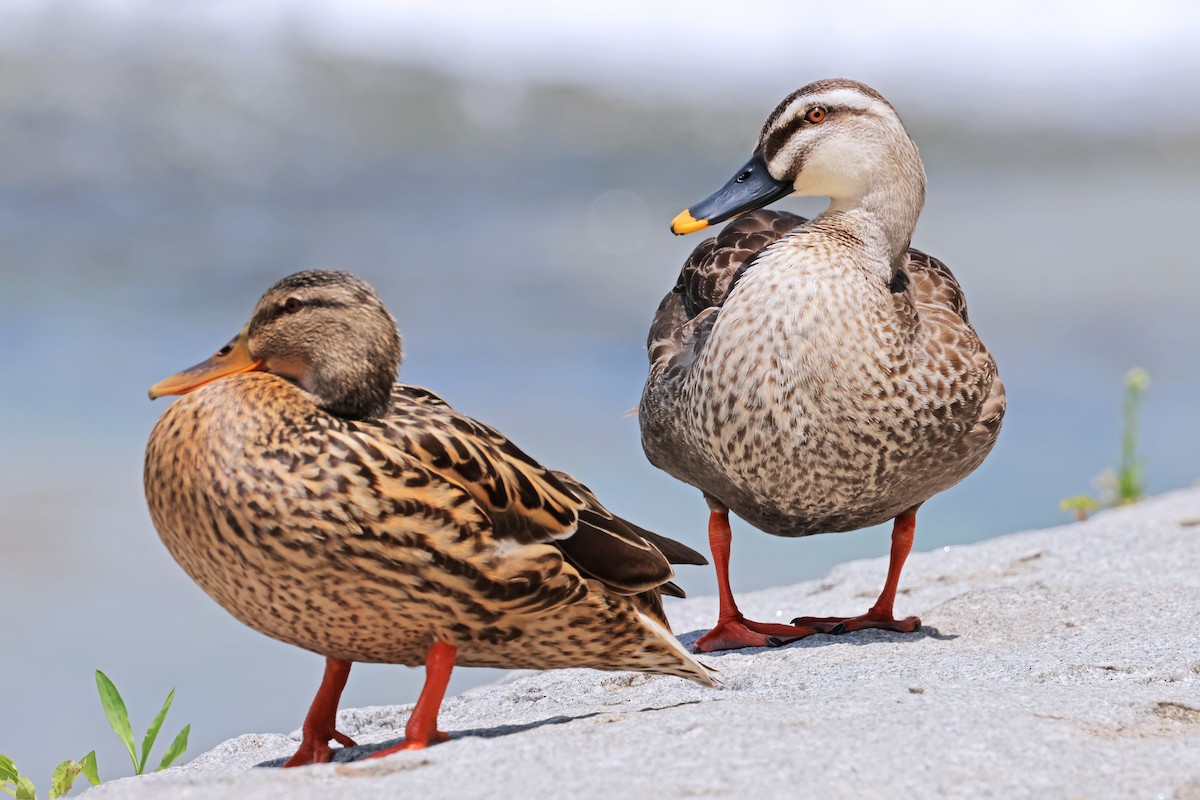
[(835, 138), (326, 331)]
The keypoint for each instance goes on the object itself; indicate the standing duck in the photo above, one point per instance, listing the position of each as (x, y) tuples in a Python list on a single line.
[(818, 375), (327, 506)]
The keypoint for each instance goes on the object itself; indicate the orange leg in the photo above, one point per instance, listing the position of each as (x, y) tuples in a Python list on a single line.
[(732, 629), (322, 715), (421, 730), (880, 614)]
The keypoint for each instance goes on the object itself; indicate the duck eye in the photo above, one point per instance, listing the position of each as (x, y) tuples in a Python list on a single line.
[(815, 114), (292, 305)]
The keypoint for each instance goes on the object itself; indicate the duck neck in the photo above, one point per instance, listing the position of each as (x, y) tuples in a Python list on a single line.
[(367, 400), (886, 213), (356, 384)]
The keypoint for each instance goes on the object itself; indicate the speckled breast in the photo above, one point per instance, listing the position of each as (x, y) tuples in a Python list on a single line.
[(239, 512), (813, 416)]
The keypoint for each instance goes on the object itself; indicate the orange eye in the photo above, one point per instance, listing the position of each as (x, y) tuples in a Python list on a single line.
[(815, 114)]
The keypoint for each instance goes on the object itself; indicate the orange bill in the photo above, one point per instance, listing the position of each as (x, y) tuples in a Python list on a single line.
[(232, 359), (686, 223)]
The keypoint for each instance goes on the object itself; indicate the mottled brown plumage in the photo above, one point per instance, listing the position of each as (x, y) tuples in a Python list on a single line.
[(396, 523), (818, 376)]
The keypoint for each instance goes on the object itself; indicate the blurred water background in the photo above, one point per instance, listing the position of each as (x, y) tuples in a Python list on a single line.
[(505, 174)]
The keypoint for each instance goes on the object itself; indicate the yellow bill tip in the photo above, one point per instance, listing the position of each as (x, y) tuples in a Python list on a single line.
[(685, 223)]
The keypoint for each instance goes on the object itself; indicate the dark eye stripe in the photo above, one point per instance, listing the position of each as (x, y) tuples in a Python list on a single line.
[(774, 141), (276, 311), (777, 138), (318, 303)]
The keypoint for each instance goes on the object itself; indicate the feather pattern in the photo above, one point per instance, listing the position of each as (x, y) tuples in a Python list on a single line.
[(821, 375), (369, 539)]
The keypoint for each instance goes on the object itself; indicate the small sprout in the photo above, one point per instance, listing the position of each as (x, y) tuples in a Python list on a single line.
[(1081, 504), (64, 776), (1131, 485), (18, 786), (118, 719), (1126, 483), (13, 782)]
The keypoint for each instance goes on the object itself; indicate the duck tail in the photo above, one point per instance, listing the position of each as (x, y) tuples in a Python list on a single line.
[(685, 665)]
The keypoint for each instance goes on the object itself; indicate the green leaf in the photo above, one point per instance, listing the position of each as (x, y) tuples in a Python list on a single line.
[(25, 790), (62, 779), (88, 763), (152, 732), (1079, 501), (176, 749), (118, 717), (10, 777)]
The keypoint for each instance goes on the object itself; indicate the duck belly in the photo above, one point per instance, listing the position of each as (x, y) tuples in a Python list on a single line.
[(251, 517), (809, 416)]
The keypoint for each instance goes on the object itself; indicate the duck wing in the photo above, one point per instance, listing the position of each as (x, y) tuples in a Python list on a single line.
[(934, 284), (527, 503), (943, 309), (624, 557)]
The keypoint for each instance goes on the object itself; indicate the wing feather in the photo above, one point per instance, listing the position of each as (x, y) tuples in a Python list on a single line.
[(624, 557), (524, 502)]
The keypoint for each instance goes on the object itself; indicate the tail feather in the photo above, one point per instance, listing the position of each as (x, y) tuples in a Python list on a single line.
[(687, 667), (676, 552)]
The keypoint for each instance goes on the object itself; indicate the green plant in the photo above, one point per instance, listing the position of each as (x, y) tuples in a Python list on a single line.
[(1130, 485), (20, 787), (14, 782), (1125, 484), (1081, 504), (118, 718)]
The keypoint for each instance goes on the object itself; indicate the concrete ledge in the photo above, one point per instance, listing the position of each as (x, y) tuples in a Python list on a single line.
[(1055, 663)]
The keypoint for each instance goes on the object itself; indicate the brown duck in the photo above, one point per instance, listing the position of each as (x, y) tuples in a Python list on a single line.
[(817, 375), (327, 506)]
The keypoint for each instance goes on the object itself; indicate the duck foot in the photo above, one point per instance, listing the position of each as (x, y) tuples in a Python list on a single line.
[(735, 632), (314, 751), (863, 622), (880, 616), (319, 723), (422, 729)]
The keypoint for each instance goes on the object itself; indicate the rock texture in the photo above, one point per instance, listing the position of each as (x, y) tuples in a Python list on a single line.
[(1056, 663)]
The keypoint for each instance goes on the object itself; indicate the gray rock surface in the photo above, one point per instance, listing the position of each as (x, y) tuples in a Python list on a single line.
[(1055, 663)]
